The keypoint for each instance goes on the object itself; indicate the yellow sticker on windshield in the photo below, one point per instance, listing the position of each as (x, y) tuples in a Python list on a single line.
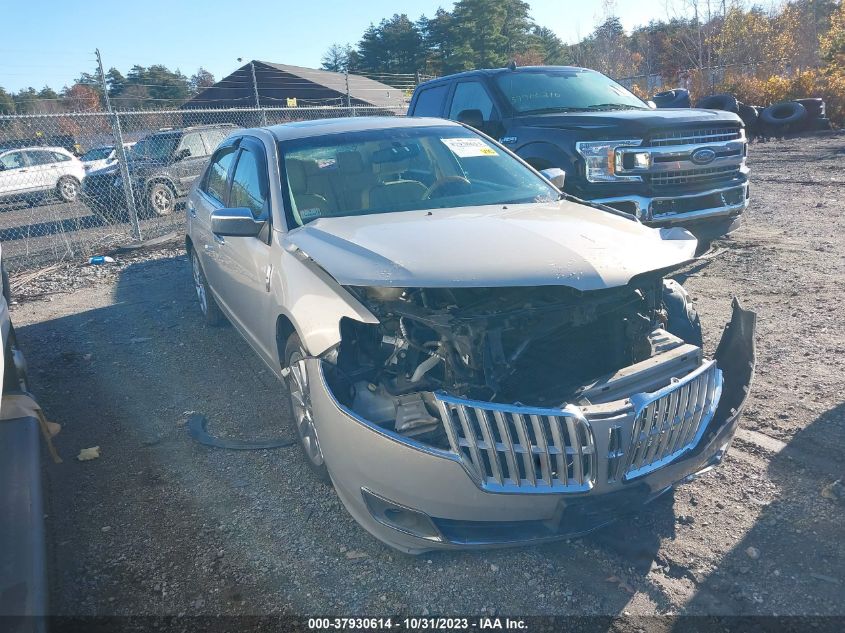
[(469, 147)]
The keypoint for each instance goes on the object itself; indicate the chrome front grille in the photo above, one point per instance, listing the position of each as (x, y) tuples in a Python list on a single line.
[(670, 421), (694, 176), (694, 137), (521, 449)]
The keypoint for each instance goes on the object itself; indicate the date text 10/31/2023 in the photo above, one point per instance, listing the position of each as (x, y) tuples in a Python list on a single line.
[(417, 623)]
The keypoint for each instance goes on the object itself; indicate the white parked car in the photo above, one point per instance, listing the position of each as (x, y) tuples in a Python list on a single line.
[(30, 173), (473, 357), (100, 157)]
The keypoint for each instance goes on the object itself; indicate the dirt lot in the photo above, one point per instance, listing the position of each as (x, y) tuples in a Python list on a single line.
[(163, 525)]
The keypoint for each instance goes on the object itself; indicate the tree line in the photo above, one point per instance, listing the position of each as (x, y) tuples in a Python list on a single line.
[(153, 86), (698, 36)]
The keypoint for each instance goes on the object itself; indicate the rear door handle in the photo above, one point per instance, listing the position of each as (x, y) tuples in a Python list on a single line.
[(219, 239)]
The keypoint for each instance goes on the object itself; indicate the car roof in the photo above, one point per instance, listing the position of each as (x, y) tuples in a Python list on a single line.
[(35, 148), (321, 127), (492, 72)]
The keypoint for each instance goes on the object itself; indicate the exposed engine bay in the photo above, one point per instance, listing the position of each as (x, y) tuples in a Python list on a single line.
[(536, 346)]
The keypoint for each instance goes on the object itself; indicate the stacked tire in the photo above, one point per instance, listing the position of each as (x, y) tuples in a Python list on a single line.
[(677, 98), (779, 119)]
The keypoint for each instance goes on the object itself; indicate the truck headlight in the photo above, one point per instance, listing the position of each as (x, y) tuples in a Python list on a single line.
[(601, 160)]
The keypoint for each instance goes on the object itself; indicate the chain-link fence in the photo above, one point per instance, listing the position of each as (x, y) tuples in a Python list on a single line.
[(77, 185)]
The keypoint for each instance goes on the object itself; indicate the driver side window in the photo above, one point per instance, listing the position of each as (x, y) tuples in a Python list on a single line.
[(471, 95), (193, 143), (249, 185), (13, 160), (217, 176)]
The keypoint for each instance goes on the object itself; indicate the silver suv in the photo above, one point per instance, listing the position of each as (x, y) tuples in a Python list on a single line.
[(473, 358)]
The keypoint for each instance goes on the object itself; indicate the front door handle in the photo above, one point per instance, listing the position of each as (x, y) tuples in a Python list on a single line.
[(192, 210)]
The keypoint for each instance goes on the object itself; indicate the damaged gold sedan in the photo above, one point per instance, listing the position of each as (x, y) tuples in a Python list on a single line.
[(473, 357)]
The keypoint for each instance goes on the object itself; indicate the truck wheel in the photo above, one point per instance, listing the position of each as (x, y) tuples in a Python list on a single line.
[(302, 418), (160, 200), (210, 310), (67, 189)]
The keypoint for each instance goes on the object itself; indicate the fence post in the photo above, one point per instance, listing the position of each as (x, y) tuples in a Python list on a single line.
[(120, 151)]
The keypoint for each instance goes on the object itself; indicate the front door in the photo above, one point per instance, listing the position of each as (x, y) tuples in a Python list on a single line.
[(245, 261), (15, 177), (211, 195), (190, 160)]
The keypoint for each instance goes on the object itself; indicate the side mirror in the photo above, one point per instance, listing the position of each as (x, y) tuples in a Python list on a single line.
[(472, 118), (651, 104), (2, 167), (555, 175), (183, 153), (237, 222)]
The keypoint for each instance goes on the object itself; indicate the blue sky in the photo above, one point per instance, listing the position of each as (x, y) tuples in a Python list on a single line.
[(52, 42)]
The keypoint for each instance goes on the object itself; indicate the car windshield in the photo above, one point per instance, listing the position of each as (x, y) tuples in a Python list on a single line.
[(98, 153), (565, 91), (396, 169), (158, 147)]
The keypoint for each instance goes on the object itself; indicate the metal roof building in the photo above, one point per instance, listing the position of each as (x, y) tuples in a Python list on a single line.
[(278, 84)]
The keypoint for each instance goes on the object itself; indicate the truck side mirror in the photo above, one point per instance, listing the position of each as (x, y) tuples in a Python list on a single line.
[(555, 175), (472, 118)]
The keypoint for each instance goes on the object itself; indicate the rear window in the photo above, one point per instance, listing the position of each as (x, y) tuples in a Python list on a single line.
[(430, 101)]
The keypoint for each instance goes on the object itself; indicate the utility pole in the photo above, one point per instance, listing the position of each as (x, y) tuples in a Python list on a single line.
[(346, 77), (255, 92), (120, 151)]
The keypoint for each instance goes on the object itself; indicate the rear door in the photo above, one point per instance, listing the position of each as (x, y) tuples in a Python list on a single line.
[(42, 169), (245, 261)]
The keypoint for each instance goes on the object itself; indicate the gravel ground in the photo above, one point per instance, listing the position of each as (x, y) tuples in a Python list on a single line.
[(162, 525)]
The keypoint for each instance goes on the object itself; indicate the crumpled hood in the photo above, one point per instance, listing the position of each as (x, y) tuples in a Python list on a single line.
[(557, 243)]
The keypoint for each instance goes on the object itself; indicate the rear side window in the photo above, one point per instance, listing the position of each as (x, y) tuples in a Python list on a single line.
[(249, 185), (59, 158), (40, 158), (218, 174), (430, 101)]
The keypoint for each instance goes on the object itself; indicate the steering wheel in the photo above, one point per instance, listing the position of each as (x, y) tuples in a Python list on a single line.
[(441, 186)]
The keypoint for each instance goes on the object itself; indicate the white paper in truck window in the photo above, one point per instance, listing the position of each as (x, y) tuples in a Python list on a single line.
[(469, 147)]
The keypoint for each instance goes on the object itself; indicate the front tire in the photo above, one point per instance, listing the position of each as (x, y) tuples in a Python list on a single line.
[(161, 201), (67, 189), (212, 316), (302, 418)]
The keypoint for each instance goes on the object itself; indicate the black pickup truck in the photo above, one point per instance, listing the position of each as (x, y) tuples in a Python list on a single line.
[(667, 167)]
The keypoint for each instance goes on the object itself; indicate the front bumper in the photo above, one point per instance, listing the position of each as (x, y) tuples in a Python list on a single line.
[(415, 497), (709, 214)]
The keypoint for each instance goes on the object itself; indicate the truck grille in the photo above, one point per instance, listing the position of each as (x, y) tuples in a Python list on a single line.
[(671, 421), (695, 137), (694, 176), (521, 448)]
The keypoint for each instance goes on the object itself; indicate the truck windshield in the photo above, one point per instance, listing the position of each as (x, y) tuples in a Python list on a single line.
[(533, 91), (402, 169)]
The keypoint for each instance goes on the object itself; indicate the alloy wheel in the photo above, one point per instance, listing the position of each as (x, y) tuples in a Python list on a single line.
[(297, 382)]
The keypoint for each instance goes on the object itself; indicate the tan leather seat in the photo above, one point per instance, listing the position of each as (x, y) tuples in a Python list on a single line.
[(303, 199), (393, 190), (353, 181)]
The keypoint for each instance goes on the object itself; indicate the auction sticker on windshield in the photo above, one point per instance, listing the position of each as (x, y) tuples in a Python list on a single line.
[(469, 147)]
